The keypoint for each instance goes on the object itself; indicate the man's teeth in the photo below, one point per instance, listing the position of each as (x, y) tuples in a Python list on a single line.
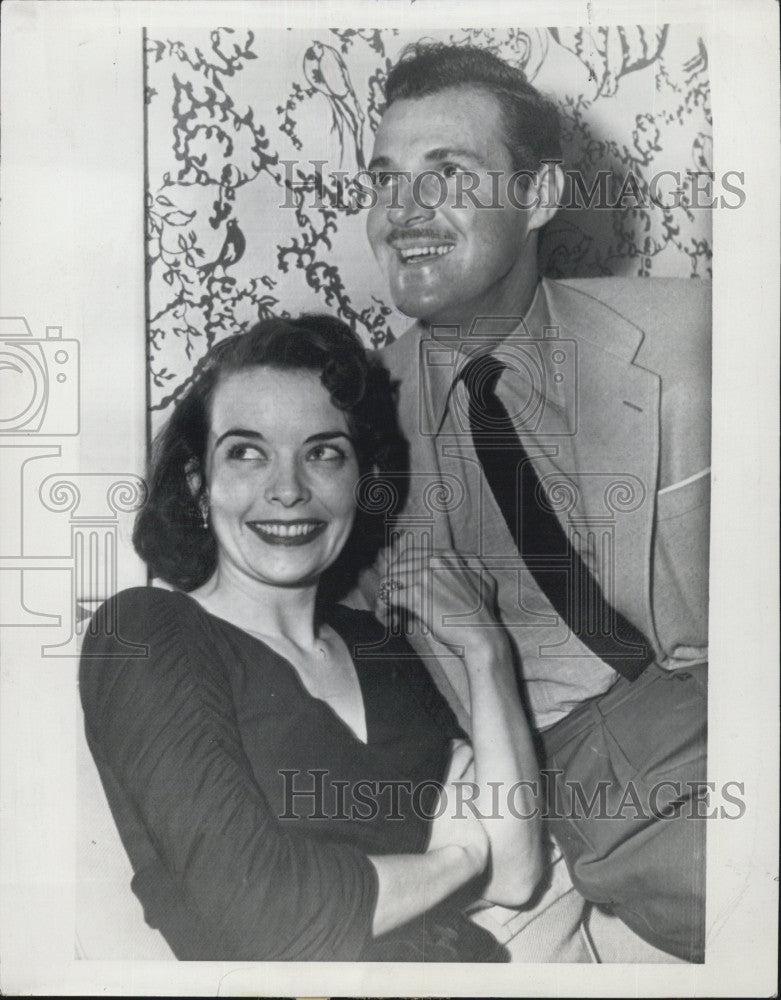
[(411, 252), (286, 530)]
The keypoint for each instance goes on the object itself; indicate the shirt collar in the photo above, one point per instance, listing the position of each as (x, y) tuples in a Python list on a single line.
[(440, 362)]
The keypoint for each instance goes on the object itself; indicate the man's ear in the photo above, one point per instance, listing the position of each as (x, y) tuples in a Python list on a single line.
[(545, 194)]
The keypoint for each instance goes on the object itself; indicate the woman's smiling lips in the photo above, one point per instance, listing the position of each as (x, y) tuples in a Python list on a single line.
[(287, 532)]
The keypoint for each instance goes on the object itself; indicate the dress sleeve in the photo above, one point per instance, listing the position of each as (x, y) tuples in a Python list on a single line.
[(163, 731)]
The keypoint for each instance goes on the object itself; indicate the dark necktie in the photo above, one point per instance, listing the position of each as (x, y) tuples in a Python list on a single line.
[(547, 552)]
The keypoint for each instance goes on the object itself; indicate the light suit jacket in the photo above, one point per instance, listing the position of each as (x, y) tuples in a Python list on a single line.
[(617, 421)]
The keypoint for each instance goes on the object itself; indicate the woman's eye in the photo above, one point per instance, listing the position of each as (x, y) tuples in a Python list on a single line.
[(325, 453), (246, 453)]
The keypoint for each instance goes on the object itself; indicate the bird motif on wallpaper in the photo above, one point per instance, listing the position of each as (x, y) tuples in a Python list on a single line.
[(611, 52), (232, 250), (326, 72), (698, 63)]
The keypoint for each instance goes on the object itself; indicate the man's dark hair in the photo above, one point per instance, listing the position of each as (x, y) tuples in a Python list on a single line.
[(531, 121), (169, 534)]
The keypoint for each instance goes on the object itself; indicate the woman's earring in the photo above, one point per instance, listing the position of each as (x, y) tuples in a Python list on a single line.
[(203, 503)]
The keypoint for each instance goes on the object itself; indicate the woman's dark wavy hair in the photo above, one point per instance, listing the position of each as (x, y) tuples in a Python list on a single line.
[(169, 534), (531, 121)]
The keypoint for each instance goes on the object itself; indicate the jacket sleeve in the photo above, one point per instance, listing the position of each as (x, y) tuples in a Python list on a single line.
[(164, 735)]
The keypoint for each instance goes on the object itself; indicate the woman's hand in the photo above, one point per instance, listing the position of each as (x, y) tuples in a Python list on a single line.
[(458, 825), (455, 601)]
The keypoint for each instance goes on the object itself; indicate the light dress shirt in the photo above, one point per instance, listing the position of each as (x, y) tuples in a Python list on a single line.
[(543, 393)]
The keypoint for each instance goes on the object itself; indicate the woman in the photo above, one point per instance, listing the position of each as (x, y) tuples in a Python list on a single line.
[(248, 729)]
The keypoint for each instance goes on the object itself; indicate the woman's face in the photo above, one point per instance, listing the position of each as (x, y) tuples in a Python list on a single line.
[(281, 469)]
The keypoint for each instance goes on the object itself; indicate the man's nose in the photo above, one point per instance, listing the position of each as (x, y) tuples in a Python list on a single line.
[(287, 485), (407, 205)]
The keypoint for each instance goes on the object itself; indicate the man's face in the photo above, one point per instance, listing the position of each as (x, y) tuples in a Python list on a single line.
[(448, 264)]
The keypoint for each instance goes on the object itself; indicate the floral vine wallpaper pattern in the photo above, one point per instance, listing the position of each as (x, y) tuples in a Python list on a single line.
[(256, 140)]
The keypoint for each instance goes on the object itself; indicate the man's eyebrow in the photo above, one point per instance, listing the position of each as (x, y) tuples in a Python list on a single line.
[(453, 153), (433, 156), (378, 162), (239, 432)]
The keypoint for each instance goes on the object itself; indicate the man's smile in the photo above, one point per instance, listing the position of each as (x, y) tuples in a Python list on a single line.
[(424, 254), (419, 246)]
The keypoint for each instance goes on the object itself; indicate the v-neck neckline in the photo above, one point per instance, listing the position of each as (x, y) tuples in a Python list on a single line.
[(294, 673)]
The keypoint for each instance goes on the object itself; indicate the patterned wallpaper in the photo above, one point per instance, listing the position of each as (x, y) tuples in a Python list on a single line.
[(255, 138)]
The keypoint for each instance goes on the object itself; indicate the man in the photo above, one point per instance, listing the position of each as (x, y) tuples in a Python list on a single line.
[(572, 464)]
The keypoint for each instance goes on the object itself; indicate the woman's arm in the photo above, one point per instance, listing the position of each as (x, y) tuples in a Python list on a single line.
[(457, 852), (164, 735), (162, 729), (504, 757), (410, 884)]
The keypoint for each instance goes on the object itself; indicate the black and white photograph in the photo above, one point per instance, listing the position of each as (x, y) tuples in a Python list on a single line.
[(388, 449)]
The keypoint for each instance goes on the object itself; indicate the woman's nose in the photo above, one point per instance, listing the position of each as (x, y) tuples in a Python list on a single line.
[(287, 485), (408, 204)]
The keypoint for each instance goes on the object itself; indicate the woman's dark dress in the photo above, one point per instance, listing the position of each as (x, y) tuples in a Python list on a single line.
[(247, 807)]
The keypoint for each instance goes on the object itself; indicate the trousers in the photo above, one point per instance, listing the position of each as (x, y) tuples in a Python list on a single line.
[(625, 775)]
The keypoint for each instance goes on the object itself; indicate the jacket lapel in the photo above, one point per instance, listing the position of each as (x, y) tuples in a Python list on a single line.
[(599, 435), (615, 445)]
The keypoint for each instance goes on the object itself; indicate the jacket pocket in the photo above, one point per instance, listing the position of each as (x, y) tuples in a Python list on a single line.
[(671, 503)]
